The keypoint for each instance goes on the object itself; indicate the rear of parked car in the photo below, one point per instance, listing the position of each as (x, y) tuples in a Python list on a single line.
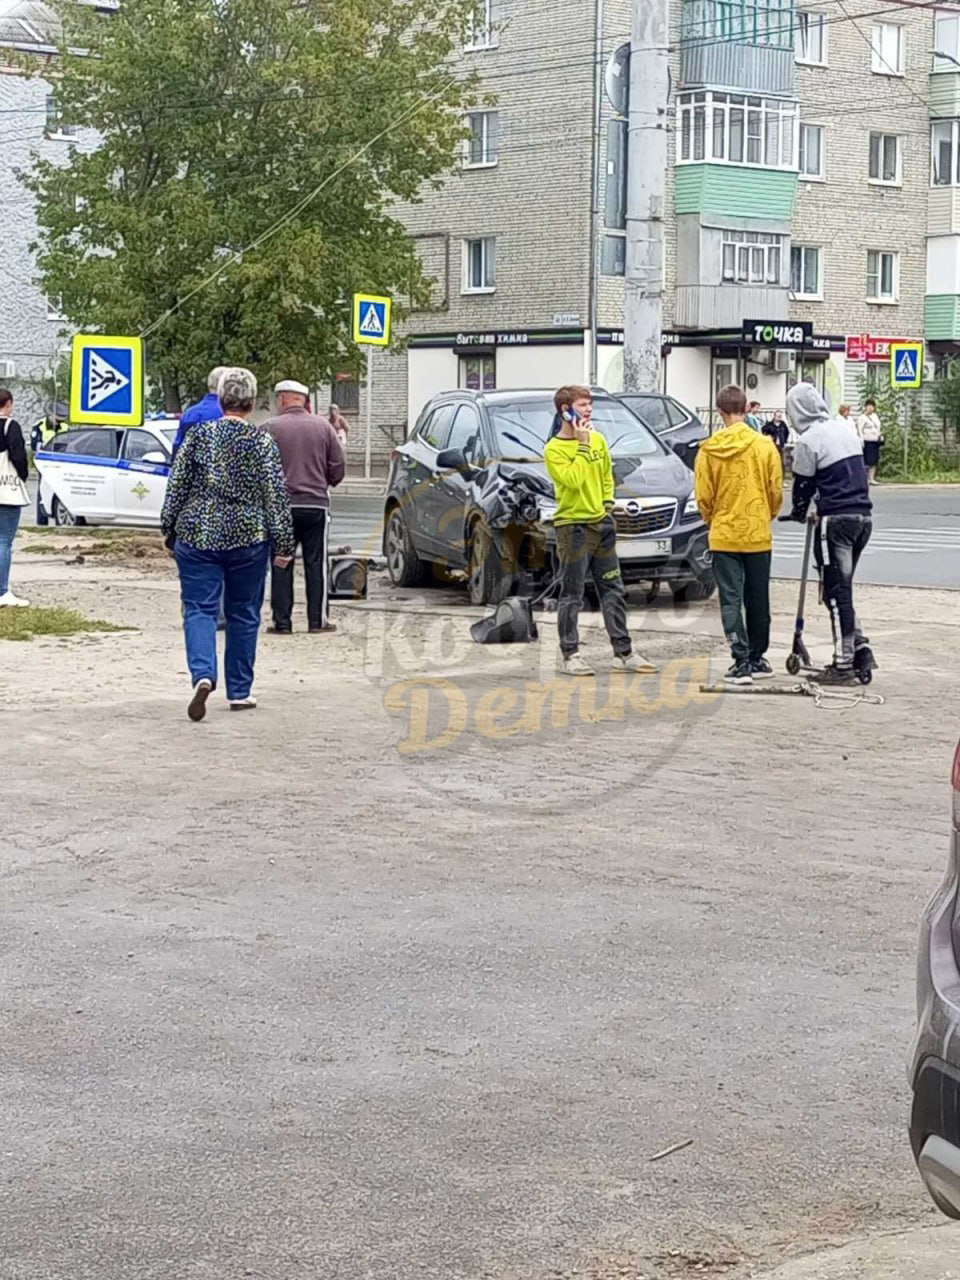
[(935, 1065), (677, 426)]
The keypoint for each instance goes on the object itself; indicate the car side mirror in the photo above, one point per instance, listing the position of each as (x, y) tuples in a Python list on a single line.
[(156, 457), (453, 460)]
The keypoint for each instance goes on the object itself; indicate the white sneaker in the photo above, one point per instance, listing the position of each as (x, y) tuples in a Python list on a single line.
[(633, 662), (243, 704), (10, 601), (573, 665), (197, 708)]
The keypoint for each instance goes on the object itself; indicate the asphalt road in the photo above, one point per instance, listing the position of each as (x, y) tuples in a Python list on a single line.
[(916, 539)]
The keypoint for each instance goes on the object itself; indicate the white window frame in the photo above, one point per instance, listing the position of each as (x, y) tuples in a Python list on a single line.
[(804, 294), (877, 297), (809, 175), (937, 130), (710, 125), (880, 63), (488, 262), (751, 258), (944, 50), (490, 154), (807, 21), (483, 35), (55, 129), (897, 179)]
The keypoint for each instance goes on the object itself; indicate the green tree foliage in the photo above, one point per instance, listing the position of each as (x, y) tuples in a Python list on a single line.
[(218, 118)]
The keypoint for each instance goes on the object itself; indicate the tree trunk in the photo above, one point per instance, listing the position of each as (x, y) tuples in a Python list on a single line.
[(171, 395)]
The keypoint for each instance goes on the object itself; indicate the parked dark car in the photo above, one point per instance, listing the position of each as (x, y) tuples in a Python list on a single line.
[(469, 490), (935, 1062), (677, 426)]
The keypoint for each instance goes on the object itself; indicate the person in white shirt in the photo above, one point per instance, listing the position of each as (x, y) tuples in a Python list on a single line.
[(871, 438)]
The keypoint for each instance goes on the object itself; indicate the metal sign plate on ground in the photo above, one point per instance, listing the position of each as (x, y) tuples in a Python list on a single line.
[(106, 386), (906, 364), (371, 319)]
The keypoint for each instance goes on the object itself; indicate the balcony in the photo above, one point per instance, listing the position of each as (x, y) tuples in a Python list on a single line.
[(724, 306)]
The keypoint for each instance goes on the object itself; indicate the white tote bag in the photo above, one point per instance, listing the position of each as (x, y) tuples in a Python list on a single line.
[(13, 492)]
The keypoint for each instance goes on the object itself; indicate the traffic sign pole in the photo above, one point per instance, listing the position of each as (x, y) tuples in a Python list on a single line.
[(369, 443)]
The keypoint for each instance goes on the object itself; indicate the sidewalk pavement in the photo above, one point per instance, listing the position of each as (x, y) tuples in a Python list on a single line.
[(931, 1253)]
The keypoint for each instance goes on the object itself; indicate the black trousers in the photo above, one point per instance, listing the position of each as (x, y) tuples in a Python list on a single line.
[(310, 530), (743, 582), (590, 549), (839, 544)]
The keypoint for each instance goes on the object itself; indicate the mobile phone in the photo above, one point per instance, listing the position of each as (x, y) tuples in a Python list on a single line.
[(571, 415)]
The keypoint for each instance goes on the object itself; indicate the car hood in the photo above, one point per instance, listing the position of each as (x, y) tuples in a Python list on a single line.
[(654, 475)]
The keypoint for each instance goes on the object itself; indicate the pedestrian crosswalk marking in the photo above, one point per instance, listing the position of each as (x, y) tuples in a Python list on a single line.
[(371, 323), (789, 543)]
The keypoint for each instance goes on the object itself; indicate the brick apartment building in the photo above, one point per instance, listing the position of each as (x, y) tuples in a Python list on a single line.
[(813, 178)]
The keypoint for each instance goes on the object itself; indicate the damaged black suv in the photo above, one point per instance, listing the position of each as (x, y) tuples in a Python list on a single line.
[(469, 491)]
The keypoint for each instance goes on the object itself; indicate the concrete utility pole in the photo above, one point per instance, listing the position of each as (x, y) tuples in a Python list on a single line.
[(646, 179)]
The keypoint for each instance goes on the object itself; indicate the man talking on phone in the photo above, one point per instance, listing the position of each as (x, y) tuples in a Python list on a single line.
[(578, 461)]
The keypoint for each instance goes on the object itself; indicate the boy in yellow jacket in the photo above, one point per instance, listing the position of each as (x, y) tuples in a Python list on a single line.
[(579, 464), (739, 486)]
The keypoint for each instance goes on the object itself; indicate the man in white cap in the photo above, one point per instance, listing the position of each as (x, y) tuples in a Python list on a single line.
[(313, 464)]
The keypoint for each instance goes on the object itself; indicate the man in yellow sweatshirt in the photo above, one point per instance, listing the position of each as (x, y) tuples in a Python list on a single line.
[(739, 486), (578, 461)]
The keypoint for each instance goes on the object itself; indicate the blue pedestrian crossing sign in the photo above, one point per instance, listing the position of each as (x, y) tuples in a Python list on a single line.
[(106, 384), (906, 364), (371, 319)]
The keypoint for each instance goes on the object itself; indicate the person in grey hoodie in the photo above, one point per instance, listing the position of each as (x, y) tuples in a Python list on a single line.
[(828, 466)]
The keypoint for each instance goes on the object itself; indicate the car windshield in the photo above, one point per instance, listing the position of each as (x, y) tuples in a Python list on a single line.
[(523, 428)]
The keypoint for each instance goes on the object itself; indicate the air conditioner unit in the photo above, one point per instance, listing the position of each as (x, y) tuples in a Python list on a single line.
[(8, 369), (784, 361)]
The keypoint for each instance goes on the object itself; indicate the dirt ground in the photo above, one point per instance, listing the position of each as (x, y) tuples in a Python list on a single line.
[(411, 972)]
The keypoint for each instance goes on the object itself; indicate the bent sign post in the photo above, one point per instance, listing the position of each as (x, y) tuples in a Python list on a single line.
[(371, 328), (106, 384)]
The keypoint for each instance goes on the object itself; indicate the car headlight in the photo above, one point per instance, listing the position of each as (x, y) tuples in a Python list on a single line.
[(547, 511), (691, 508)]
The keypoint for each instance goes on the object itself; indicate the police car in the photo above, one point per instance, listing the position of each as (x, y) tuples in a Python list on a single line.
[(106, 475)]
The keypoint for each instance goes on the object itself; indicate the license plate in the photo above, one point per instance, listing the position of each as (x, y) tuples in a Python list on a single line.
[(642, 548)]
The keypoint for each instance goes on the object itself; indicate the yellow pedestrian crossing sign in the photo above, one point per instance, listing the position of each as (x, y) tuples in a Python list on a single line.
[(106, 384), (906, 364), (371, 319)]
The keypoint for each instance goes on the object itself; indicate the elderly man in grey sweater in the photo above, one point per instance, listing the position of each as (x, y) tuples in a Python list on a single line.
[(313, 464)]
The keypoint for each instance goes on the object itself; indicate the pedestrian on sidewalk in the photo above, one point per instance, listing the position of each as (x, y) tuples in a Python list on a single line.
[(313, 465), (578, 461), (739, 487), (224, 516), (754, 416), (206, 410), (14, 470), (339, 424), (778, 432), (870, 431), (828, 466)]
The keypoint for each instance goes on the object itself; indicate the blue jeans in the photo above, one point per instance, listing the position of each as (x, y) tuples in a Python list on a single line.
[(238, 576), (9, 520)]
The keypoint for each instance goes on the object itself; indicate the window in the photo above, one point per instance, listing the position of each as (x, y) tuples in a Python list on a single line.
[(55, 308), (811, 39), (811, 151), (436, 430), (478, 373), (946, 41), (55, 126), (345, 393), (95, 442), (751, 257), (887, 42), (138, 443), (480, 265), (483, 33), (482, 146), (805, 271), (465, 432), (883, 269), (885, 158), (945, 160), (736, 129)]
